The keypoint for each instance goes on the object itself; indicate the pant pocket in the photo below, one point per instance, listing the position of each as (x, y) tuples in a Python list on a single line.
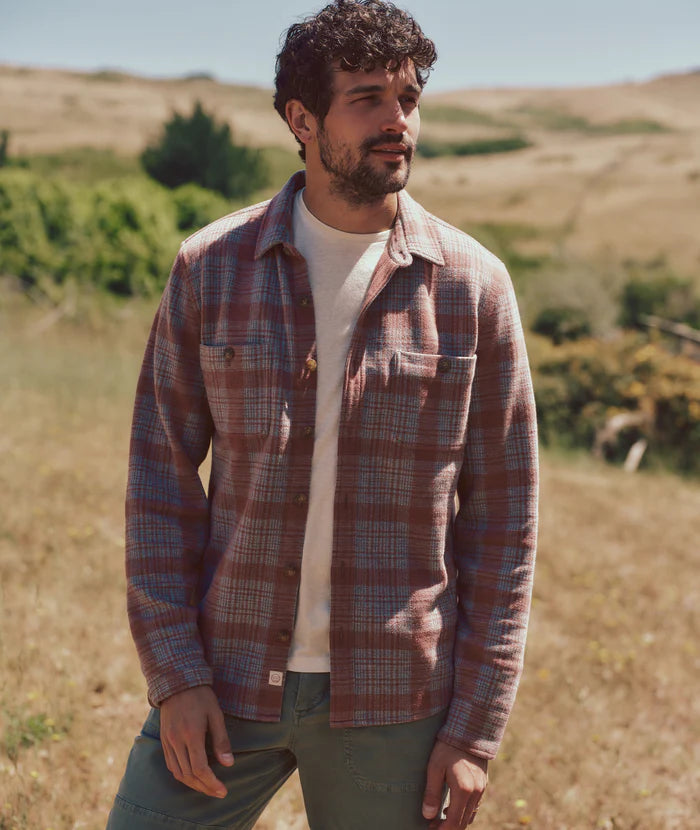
[(391, 759), (151, 726)]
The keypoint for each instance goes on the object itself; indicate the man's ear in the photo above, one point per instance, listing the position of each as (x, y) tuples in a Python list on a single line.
[(301, 122)]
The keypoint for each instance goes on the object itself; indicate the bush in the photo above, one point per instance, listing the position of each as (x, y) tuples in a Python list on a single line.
[(36, 227), (109, 227), (580, 386), (564, 121), (668, 296), (130, 237), (197, 149), (478, 147), (196, 207), (504, 240), (562, 323), (4, 141), (120, 236)]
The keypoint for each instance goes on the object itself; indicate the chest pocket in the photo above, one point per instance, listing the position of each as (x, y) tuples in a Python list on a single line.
[(425, 403), (239, 380)]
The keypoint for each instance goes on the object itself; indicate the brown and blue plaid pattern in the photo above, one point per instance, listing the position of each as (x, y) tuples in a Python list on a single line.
[(429, 606)]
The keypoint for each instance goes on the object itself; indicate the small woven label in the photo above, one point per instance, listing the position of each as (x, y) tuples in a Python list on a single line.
[(276, 678)]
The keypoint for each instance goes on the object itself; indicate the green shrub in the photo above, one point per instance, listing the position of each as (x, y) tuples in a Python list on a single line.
[(562, 323), (37, 227), (503, 239), (196, 207), (81, 164), (447, 114), (668, 296), (478, 147), (85, 216), (563, 121), (579, 386), (130, 236), (120, 235), (4, 141), (197, 149)]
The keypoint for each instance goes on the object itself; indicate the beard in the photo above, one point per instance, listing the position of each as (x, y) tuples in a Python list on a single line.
[(359, 179)]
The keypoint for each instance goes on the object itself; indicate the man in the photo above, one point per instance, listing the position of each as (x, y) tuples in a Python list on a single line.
[(355, 364)]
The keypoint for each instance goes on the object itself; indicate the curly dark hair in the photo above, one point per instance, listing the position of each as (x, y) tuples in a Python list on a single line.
[(361, 35)]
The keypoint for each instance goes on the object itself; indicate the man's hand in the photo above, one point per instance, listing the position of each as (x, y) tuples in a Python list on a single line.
[(466, 777), (185, 719)]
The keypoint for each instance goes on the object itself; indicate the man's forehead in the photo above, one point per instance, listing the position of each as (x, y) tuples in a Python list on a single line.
[(346, 79)]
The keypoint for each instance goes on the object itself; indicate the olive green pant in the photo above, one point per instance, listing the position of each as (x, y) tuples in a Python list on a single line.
[(365, 778)]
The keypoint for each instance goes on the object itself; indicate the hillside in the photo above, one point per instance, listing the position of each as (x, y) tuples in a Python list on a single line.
[(613, 172)]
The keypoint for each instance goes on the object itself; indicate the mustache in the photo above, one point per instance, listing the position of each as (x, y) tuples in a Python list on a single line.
[(408, 147)]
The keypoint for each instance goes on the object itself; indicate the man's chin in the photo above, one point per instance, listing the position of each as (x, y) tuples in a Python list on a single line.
[(370, 185), (398, 181), (393, 174)]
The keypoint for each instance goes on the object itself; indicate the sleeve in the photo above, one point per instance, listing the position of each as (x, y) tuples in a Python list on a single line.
[(495, 529), (167, 514)]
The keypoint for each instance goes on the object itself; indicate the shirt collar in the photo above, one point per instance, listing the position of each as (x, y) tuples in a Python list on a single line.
[(414, 231)]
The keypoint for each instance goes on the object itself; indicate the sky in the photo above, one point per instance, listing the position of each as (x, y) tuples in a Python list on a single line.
[(485, 44)]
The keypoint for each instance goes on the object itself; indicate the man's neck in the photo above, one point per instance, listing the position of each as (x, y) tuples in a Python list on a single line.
[(338, 213)]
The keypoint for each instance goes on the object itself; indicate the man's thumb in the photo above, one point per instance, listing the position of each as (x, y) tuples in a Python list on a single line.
[(219, 738)]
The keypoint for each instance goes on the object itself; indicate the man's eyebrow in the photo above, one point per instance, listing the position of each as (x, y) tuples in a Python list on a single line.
[(370, 88)]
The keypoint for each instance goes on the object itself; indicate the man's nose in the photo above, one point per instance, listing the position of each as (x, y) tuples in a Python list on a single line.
[(395, 119)]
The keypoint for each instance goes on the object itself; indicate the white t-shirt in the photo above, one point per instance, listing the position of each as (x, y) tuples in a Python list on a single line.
[(340, 266)]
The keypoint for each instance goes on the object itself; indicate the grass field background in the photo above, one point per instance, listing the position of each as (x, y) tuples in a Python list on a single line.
[(606, 729), (605, 734)]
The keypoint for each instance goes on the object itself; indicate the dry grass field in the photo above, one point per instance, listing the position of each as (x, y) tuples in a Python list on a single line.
[(606, 730), (605, 734)]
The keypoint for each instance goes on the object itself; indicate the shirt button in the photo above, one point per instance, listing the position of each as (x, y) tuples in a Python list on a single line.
[(311, 364), (291, 570), (284, 636), (229, 353), (301, 499), (444, 364), (307, 432), (304, 301)]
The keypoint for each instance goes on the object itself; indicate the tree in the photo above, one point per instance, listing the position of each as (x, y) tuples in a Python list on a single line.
[(4, 141), (197, 149), (561, 323)]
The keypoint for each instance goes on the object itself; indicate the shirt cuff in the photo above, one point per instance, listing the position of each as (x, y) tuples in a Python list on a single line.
[(165, 686)]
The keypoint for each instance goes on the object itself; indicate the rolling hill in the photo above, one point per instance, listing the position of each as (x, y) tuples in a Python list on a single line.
[(612, 173)]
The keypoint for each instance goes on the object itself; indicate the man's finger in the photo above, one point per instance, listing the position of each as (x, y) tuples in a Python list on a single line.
[(202, 772), (455, 815), (179, 759), (178, 762), (219, 737), (472, 812), (171, 761)]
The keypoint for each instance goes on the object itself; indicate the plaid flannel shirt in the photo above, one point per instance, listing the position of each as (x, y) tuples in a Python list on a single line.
[(429, 603)]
